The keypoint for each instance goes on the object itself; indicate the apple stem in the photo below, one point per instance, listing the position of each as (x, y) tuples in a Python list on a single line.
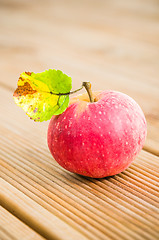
[(87, 86), (64, 94), (76, 90)]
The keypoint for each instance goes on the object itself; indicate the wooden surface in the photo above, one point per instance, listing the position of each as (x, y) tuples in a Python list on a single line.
[(12, 228), (115, 45)]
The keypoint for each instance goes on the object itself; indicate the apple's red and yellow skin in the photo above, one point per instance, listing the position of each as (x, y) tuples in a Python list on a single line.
[(98, 139)]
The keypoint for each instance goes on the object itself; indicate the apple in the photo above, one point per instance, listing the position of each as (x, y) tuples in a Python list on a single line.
[(99, 138)]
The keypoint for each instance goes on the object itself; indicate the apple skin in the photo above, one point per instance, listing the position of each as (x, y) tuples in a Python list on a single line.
[(98, 139)]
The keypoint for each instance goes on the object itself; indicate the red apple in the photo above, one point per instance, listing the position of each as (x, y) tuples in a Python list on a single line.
[(98, 139)]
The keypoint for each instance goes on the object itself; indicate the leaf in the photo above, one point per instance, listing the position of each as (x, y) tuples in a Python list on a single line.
[(42, 95)]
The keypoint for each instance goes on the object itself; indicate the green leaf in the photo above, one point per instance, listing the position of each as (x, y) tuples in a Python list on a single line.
[(42, 95)]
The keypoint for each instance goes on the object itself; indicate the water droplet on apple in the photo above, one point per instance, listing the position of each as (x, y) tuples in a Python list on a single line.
[(70, 123)]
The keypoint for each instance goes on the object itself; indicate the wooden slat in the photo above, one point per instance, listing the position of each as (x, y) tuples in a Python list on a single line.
[(11, 228), (125, 206), (36, 216), (144, 205)]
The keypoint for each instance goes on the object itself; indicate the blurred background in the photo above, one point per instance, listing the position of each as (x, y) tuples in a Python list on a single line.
[(113, 44)]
